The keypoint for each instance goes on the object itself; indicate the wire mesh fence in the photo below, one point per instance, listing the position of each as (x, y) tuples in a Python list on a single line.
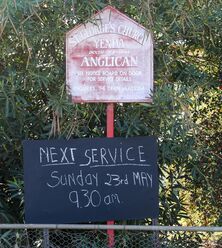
[(95, 236)]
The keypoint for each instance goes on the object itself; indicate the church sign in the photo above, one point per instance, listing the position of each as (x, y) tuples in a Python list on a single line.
[(109, 59)]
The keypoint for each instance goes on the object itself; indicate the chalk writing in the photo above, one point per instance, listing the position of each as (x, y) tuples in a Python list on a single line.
[(72, 179), (108, 156), (142, 179), (86, 199), (77, 177), (51, 155), (115, 180)]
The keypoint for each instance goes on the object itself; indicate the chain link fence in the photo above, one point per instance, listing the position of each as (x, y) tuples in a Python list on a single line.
[(95, 236)]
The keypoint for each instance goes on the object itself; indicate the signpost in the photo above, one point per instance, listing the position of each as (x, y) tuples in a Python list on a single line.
[(110, 134), (109, 59)]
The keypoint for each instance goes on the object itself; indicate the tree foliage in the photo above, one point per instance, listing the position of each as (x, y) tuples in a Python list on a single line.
[(185, 114)]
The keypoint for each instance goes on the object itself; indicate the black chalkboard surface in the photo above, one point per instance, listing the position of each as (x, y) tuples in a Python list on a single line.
[(96, 179)]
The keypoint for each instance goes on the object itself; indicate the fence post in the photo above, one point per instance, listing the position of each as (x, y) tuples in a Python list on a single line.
[(156, 239), (45, 238)]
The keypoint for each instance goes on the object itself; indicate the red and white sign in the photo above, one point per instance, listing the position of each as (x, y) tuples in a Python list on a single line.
[(109, 60)]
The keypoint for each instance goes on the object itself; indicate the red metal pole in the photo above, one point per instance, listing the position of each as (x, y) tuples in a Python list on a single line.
[(110, 134), (110, 120)]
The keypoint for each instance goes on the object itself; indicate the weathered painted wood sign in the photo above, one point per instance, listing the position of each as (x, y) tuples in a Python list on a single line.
[(109, 60), (84, 180)]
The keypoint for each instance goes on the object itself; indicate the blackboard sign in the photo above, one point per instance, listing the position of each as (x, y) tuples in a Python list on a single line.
[(84, 180)]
